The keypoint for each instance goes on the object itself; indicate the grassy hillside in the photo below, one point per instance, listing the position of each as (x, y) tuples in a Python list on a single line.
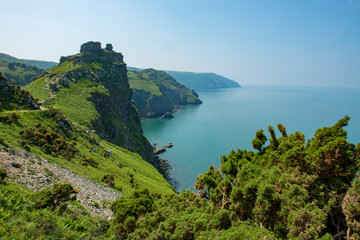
[(48, 135), (11, 95), (156, 93), (19, 73), (37, 63), (202, 80), (22, 218), (93, 91)]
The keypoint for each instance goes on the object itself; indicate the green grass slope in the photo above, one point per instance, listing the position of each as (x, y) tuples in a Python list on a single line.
[(19, 73), (37, 63), (11, 95), (47, 134), (202, 80), (20, 218), (155, 92)]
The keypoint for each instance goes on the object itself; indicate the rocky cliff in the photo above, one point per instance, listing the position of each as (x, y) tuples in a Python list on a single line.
[(156, 93), (92, 89)]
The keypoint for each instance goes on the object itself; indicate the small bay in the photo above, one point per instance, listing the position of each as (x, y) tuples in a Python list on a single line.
[(229, 118)]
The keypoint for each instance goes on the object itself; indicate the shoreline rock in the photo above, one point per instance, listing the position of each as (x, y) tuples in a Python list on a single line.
[(167, 115)]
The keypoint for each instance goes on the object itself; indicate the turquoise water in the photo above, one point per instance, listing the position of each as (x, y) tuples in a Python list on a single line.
[(229, 118)]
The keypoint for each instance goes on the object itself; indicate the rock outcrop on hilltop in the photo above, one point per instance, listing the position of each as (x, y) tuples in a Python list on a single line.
[(90, 47), (92, 89)]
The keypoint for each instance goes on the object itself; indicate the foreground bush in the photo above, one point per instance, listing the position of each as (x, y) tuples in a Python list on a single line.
[(289, 189)]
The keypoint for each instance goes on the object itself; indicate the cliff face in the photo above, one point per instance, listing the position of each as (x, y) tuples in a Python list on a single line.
[(156, 92), (92, 89)]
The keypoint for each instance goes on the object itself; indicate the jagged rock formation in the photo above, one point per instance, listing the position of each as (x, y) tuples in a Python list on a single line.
[(109, 47), (90, 47), (157, 94), (92, 89)]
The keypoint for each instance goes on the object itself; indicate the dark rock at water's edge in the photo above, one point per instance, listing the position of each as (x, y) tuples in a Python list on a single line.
[(163, 166), (168, 145), (159, 150), (167, 115)]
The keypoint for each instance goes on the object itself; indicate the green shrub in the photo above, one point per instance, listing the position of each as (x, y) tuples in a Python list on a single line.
[(221, 220), (109, 179), (3, 174), (52, 198)]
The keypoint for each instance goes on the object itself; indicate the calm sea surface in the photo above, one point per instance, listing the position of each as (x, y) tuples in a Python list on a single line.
[(229, 118)]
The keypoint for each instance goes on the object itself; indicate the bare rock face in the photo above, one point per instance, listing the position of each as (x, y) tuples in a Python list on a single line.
[(109, 47), (90, 47)]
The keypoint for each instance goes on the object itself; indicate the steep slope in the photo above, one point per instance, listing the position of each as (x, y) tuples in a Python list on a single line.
[(19, 73), (37, 63), (198, 80), (92, 89), (202, 80), (156, 93), (48, 136)]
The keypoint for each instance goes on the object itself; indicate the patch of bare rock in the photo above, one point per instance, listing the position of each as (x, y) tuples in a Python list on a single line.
[(38, 174)]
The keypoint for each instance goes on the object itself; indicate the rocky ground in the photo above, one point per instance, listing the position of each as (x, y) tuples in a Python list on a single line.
[(38, 174)]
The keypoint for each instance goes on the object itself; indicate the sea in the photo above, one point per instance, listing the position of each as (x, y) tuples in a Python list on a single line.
[(229, 118)]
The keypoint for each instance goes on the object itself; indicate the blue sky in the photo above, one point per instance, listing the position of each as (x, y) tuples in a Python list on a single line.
[(254, 42)]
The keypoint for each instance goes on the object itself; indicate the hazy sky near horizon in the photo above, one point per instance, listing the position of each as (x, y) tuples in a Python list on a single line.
[(280, 42)]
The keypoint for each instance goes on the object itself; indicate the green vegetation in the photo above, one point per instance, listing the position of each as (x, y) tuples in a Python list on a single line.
[(156, 92), (11, 95), (290, 189), (202, 80), (198, 80), (19, 73), (40, 64), (92, 90), (48, 214), (49, 135)]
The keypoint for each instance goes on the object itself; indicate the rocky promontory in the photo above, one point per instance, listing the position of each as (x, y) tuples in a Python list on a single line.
[(92, 89), (157, 94)]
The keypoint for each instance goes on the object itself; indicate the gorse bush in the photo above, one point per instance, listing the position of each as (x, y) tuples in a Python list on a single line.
[(3, 174), (52, 198), (53, 142), (21, 217), (289, 189)]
